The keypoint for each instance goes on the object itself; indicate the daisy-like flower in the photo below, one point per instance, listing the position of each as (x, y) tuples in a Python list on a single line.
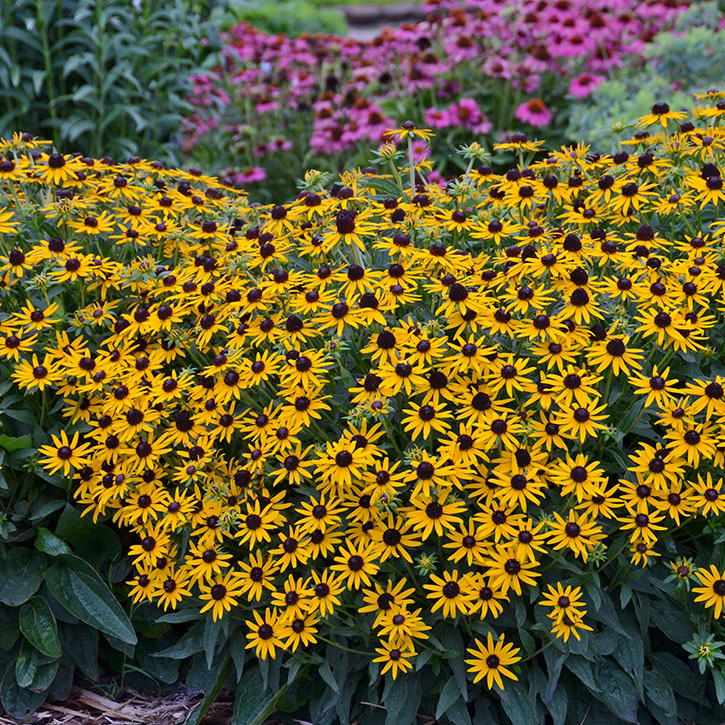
[(491, 660), (220, 595), (64, 454), (450, 593), (712, 591), (661, 113), (265, 634), (394, 658)]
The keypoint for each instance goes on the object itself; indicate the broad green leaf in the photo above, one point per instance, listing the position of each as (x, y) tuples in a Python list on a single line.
[(449, 694), (44, 676), (93, 543), (19, 702), (21, 573), (49, 543), (11, 443), (403, 701), (517, 704), (39, 627), (80, 642), (659, 691), (253, 704), (326, 674), (75, 584), (191, 643), (618, 692), (26, 664), (452, 640), (9, 629)]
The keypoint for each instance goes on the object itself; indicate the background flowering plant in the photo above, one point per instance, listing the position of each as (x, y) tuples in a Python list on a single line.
[(472, 69), (458, 450)]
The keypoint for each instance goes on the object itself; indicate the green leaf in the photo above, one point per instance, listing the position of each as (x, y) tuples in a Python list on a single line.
[(21, 573), (44, 676), (326, 674), (212, 630), (457, 714), (26, 664), (191, 643), (449, 694), (253, 705), (49, 543), (660, 692), (619, 693), (451, 639), (39, 627), (93, 543), (10, 443), (517, 705), (719, 679), (9, 629), (19, 703), (80, 642), (402, 701), (75, 584)]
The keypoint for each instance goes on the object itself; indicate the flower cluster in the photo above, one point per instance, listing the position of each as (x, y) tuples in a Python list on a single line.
[(514, 61), (413, 403)]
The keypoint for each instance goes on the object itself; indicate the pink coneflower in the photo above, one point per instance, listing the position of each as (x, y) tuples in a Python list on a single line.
[(421, 150), (250, 175), (435, 178), (534, 112), (583, 84), (465, 113), (437, 118)]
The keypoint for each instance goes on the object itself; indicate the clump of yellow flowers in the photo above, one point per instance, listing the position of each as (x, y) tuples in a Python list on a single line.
[(413, 402)]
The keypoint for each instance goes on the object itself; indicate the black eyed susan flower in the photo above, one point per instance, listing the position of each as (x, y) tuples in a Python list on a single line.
[(568, 625), (564, 601), (492, 660), (356, 564), (450, 593), (712, 591), (576, 533), (220, 595), (507, 571), (265, 634), (300, 631), (394, 659), (432, 515), (64, 454)]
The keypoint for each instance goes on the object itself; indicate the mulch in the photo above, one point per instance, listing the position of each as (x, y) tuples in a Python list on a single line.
[(84, 707)]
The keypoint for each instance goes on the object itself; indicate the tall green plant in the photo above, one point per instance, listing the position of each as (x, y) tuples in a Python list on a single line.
[(107, 76)]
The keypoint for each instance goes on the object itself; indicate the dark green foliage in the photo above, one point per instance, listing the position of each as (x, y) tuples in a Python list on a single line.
[(102, 77)]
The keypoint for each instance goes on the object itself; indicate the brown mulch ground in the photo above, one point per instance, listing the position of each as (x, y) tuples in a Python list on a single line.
[(84, 707)]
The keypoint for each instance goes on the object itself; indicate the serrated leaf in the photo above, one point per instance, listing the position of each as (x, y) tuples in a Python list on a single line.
[(39, 627), (78, 588)]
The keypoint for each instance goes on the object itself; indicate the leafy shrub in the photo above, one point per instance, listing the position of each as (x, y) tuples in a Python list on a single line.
[(472, 69), (676, 65), (291, 17), (109, 77), (444, 451)]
